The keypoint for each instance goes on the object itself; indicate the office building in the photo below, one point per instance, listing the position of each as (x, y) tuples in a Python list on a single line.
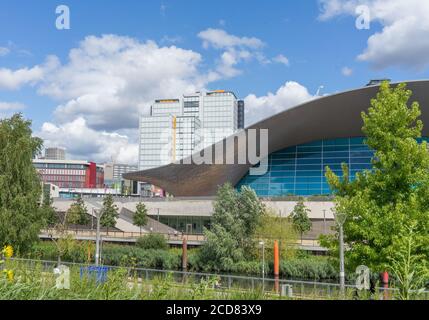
[(70, 173), (55, 154), (176, 128)]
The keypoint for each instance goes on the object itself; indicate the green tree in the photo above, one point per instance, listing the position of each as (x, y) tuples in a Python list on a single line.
[(380, 204), (21, 216), (300, 219), (233, 226), (51, 216), (109, 213), (140, 218), (152, 241), (78, 213), (273, 227)]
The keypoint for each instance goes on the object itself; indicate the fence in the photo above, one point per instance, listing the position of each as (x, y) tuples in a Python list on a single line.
[(296, 288), (107, 235), (133, 236)]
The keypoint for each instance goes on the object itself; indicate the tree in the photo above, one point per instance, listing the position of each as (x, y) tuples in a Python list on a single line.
[(109, 213), (300, 219), (273, 227), (51, 216), (78, 213), (21, 216), (140, 218), (380, 204), (234, 221), (152, 241)]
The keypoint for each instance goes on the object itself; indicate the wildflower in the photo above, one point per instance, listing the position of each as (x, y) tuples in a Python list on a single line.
[(9, 274), (8, 251)]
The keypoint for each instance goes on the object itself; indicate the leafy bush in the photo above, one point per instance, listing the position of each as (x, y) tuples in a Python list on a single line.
[(304, 266), (152, 241)]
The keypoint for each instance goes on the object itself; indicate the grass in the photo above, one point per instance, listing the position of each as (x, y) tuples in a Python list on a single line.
[(36, 283)]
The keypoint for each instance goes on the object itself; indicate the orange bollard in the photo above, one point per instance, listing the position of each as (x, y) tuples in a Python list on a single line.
[(276, 265), (385, 280)]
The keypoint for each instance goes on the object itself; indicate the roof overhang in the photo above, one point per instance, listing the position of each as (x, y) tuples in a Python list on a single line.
[(329, 117)]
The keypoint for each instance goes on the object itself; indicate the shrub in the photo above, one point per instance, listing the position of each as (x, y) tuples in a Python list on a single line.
[(152, 241)]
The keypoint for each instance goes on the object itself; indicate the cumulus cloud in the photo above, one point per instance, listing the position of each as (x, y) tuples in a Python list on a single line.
[(346, 71), (82, 142), (15, 79), (287, 96), (235, 50), (108, 80), (403, 40)]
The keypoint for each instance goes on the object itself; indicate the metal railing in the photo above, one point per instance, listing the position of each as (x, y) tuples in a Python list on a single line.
[(88, 234), (298, 289), (121, 235)]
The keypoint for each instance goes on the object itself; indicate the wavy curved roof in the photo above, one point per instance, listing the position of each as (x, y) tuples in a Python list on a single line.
[(329, 117)]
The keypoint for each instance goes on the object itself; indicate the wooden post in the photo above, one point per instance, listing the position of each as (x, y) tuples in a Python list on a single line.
[(184, 255)]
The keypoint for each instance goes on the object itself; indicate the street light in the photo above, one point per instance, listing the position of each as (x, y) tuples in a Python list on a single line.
[(340, 218), (262, 244), (97, 238), (324, 221)]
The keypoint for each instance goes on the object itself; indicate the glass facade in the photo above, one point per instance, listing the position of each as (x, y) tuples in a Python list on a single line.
[(300, 170), (185, 224)]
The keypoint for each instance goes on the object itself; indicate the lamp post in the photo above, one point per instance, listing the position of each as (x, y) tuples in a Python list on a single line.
[(340, 218), (262, 244), (97, 238), (324, 221)]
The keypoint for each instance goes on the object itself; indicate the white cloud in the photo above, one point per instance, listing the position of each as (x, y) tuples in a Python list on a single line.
[(403, 40), (15, 79), (287, 96), (220, 39), (8, 108), (235, 51), (346, 71), (108, 80), (281, 59), (82, 142), (4, 51)]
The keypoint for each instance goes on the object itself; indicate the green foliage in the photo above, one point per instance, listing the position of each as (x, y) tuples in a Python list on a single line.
[(109, 213), (78, 213), (152, 241), (300, 219), (140, 216), (380, 204), (20, 213), (49, 212), (273, 227), (235, 218), (410, 271)]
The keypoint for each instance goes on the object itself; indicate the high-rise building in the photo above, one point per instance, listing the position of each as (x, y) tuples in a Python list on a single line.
[(176, 128), (55, 154), (240, 114)]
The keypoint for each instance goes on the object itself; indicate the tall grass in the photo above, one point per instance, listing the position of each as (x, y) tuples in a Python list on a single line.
[(34, 282)]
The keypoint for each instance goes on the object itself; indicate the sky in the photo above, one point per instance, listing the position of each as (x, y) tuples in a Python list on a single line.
[(84, 87)]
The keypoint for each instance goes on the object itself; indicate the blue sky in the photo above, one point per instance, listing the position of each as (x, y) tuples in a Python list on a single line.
[(286, 48)]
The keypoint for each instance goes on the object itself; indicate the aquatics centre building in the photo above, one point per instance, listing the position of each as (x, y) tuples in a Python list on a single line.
[(303, 140)]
